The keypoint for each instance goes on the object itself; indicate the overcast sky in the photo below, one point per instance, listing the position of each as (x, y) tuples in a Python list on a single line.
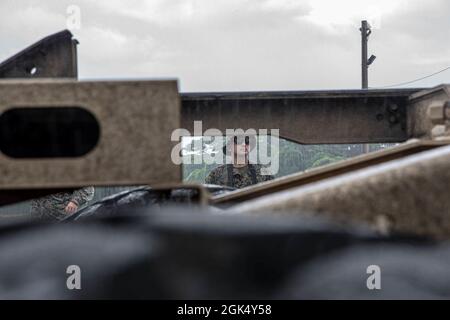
[(223, 45)]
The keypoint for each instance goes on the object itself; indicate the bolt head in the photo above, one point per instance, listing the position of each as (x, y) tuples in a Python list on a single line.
[(393, 107), (435, 113)]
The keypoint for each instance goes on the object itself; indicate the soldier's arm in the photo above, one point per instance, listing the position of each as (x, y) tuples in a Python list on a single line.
[(210, 178), (214, 176), (265, 177), (81, 196)]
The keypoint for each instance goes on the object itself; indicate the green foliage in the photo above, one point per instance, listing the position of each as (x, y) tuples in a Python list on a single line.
[(197, 172), (293, 157), (325, 159), (197, 175)]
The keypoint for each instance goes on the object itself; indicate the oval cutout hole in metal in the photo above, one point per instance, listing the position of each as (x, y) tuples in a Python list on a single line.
[(48, 132)]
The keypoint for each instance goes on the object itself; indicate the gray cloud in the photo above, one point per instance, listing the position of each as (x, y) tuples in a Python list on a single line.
[(238, 45)]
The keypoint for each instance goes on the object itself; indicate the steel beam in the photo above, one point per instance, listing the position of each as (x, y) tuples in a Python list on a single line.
[(133, 146), (309, 117)]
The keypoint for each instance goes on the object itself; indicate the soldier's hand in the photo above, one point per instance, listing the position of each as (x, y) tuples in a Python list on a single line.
[(71, 207)]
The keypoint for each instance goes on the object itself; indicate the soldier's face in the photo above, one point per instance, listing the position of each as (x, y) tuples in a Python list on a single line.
[(241, 149), (241, 152)]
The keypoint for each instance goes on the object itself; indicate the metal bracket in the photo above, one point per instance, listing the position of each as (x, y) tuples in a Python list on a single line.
[(133, 147), (54, 56)]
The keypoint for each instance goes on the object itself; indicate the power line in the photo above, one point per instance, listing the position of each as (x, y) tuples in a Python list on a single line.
[(412, 81)]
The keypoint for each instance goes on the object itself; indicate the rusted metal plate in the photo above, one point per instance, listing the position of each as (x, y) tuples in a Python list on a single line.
[(310, 117), (325, 172), (54, 56), (404, 195), (135, 120)]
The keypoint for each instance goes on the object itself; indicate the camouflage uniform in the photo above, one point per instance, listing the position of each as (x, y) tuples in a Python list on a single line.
[(241, 177), (52, 207)]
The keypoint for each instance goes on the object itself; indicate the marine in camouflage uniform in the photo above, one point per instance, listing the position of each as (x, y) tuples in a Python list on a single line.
[(53, 207), (234, 175), (237, 177)]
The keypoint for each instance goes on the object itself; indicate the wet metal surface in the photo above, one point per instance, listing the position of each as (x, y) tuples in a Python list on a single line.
[(325, 172), (407, 195), (335, 116), (419, 121), (133, 147)]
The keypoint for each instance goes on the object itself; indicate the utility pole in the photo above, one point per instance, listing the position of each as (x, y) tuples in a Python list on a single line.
[(365, 32), (365, 63)]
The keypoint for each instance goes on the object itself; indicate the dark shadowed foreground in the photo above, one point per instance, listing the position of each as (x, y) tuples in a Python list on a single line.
[(200, 254)]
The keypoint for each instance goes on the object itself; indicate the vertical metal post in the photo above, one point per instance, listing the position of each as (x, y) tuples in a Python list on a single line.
[(365, 32)]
